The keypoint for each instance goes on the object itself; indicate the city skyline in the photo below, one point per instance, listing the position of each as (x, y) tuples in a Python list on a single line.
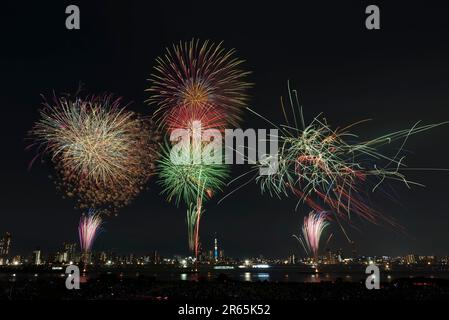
[(214, 251)]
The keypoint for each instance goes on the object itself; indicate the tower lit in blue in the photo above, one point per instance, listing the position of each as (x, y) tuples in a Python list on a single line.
[(216, 249)]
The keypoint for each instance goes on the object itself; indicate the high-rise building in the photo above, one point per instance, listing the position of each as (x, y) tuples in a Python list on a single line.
[(103, 258), (60, 257), (333, 258), (156, 257), (129, 259), (340, 254), (17, 260), (5, 244), (211, 255), (292, 259), (70, 251), (67, 253), (410, 259), (37, 255)]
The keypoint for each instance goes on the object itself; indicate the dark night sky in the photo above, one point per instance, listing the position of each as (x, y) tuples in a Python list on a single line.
[(396, 76)]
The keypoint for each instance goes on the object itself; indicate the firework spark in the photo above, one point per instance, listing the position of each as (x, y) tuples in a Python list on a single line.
[(191, 180), (184, 117), (102, 153), (202, 75), (313, 228), (193, 184), (196, 82), (332, 170), (88, 229), (194, 214)]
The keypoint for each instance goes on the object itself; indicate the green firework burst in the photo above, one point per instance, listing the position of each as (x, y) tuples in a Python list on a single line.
[(189, 181)]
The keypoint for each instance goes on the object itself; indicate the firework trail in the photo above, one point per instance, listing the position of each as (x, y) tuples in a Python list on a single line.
[(103, 154), (333, 169), (199, 75), (194, 214), (88, 229), (191, 183), (196, 82), (313, 228)]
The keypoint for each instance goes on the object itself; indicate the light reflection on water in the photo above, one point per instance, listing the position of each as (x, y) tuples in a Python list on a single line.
[(263, 276), (248, 275)]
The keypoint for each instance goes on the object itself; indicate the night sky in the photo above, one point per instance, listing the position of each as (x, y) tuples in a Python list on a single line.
[(395, 76)]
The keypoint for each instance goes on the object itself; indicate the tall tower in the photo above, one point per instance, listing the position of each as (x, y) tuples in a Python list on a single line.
[(216, 249)]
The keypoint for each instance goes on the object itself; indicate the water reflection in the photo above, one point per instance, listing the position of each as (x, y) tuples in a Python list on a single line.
[(247, 275), (263, 276), (259, 276), (84, 278), (313, 278)]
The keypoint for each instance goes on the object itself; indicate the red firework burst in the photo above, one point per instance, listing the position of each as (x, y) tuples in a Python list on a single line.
[(199, 73), (183, 117)]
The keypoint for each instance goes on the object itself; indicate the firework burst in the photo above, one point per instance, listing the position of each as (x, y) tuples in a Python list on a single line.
[(312, 230), (334, 170), (196, 83), (184, 117), (103, 154), (88, 229), (191, 183), (202, 75)]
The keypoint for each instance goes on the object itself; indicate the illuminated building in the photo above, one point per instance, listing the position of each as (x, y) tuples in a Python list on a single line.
[(410, 259), (70, 251), (331, 258), (103, 257), (156, 257), (5, 245), (17, 260), (211, 255), (37, 254), (292, 259), (67, 253)]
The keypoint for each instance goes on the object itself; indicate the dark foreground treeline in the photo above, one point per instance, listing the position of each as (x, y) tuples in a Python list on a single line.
[(108, 287)]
